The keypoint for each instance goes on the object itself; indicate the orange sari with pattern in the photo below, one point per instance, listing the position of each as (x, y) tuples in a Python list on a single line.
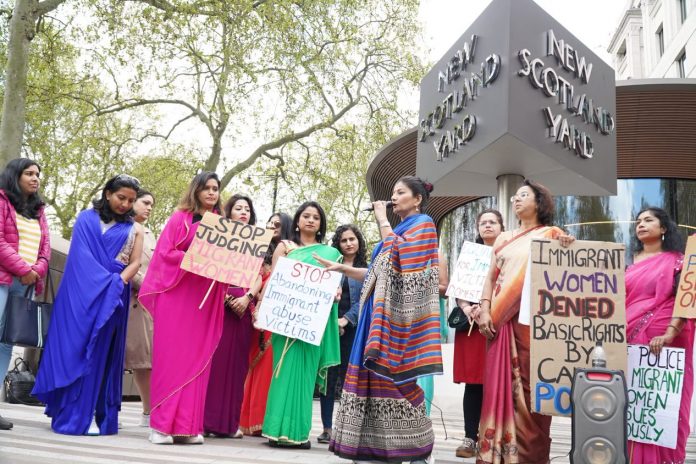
[(509, 432)]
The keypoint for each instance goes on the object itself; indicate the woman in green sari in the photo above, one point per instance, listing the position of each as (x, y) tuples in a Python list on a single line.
[(298, 366)]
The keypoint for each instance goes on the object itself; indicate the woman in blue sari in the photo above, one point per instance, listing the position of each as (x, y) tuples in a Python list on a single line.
[(80, 376)]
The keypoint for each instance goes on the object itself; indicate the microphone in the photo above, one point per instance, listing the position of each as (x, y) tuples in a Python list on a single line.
[(389, 205)]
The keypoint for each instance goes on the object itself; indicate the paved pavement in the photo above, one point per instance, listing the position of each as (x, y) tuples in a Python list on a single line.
[(31, 441)]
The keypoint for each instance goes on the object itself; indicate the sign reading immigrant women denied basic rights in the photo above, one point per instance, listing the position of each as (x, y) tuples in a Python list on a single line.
[(654, 394), (685, 302), (468, 277), (297, 300), (577, 299), (227, 251)]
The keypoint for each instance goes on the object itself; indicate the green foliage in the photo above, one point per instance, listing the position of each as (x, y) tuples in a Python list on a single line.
[(166, 177), (309, 90)]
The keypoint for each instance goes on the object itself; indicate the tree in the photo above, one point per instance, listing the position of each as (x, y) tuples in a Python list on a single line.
[(23, 23), (261, 74), (77, 151)]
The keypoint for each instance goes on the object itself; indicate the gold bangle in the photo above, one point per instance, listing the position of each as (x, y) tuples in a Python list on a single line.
[(676, 329), (386, 224)]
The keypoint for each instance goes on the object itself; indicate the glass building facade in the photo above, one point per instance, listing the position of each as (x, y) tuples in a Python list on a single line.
[(607, 218)]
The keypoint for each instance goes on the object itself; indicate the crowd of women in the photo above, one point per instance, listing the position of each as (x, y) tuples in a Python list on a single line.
[(203, 368)]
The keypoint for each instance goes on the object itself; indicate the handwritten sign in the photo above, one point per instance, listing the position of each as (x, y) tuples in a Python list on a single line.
[(297, 300), (577, 299), (466, 282), (227, 251), (654, 394), (685, 302)]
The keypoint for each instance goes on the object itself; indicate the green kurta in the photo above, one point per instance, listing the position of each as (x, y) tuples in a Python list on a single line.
[(288, 416)]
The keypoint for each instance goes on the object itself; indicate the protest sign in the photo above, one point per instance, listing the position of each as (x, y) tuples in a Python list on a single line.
[(227, 251), (466, 282), (577, 299), (297, 300), (685, 303), (654, 394)]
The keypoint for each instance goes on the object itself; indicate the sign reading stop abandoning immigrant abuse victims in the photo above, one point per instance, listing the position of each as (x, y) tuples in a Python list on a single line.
[(297, 300), (577, 297), (227, 251)]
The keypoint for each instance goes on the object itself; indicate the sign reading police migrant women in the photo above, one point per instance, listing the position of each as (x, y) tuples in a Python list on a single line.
[(227, 251), (577, 298), (685, 303), (654, 394), (297, 300), (466, 282)]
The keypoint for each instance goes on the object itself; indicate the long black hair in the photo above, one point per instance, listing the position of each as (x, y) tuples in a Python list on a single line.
[(113, 185), (296, 220), (9, 182), (234, 199), (672, 239), (285, 234), (360, 259)]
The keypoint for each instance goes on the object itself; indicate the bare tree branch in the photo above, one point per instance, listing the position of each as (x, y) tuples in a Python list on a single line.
[(47, 5), (280, 141)]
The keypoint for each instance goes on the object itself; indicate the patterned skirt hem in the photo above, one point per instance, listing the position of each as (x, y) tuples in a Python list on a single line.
[(360, 455)]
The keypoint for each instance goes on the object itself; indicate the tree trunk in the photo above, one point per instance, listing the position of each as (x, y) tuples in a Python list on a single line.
[(22, 26)]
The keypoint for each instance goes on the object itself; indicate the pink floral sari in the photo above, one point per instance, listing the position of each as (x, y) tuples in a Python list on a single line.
[(649, 306)]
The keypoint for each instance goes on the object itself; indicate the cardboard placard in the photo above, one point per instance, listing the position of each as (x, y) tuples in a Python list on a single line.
[(577, 298), (466, 282), (685, 302), (297, 300), (654, 394), (227, 251)]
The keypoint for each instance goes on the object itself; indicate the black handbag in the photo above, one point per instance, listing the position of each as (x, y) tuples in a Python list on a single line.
[(26, 320), (458, 320), (19, 384)]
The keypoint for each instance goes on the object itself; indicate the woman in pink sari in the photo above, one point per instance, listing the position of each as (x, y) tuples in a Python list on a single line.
[(508, 431), (187, 312), (650, 290)]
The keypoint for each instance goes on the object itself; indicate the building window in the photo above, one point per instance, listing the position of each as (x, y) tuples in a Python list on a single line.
[(660, 40), (682, 10), (681, 64)]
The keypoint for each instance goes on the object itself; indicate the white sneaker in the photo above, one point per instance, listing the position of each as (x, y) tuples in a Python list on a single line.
[(144, 420), (191, 440), (157, 438), (93, 428)]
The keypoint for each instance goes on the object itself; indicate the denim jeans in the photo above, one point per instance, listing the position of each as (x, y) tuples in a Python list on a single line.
[(15, 288)]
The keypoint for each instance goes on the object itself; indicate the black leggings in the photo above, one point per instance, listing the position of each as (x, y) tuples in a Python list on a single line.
[(473, 397)]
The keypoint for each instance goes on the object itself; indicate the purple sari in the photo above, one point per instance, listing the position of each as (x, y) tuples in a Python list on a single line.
[(228, 371)]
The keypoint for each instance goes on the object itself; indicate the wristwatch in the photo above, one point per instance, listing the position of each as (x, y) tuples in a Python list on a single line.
[(250, 296)]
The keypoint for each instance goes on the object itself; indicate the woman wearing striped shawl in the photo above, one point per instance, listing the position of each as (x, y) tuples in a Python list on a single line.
[(382, 414)]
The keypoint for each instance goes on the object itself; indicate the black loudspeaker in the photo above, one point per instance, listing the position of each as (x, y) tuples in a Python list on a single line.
[(600, 401)]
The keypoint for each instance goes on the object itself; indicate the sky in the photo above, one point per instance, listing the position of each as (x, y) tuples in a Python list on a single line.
[(591, 21)]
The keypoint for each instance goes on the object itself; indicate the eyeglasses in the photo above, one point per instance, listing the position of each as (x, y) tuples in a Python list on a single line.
[(521, 196), (273, 225), (487, 223)]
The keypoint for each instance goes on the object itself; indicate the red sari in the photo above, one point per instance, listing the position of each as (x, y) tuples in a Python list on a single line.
[(258, 379), (509, 432), (649, 306)]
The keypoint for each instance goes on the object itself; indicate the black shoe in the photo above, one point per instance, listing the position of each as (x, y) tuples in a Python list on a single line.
[(325, 437), (277, 444), (5, 424)]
